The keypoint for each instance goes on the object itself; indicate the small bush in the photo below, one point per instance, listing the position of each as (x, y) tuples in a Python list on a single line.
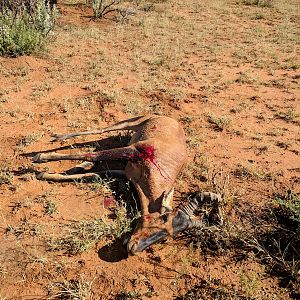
[(24, 27), (103, 7), (6, 177), (260, 3), (78, 289), (121, 9), (219, 123), (291, 202)]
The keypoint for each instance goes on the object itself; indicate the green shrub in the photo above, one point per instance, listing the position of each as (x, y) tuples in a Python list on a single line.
[(260, 3), (291, 202), (23, 28)]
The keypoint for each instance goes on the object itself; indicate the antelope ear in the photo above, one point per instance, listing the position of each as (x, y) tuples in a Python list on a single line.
[(166, 204)]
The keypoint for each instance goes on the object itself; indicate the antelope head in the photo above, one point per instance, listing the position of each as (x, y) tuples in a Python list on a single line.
[(157, 226)]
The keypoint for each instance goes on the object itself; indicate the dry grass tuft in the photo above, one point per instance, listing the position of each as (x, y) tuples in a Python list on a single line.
[(79, 236)]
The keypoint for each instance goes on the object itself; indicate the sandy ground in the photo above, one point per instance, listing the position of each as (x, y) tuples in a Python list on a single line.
[(228, 72)]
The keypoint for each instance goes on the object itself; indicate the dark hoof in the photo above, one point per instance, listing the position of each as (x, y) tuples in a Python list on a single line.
[(59, 137), (55, 138), (40, 176), (38, 158)]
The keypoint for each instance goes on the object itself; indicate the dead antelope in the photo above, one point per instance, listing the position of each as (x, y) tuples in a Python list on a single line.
[(155, 156)]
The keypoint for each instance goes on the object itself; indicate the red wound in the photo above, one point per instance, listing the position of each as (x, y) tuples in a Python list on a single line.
[(147, 153), (147, 218), (108, 202)]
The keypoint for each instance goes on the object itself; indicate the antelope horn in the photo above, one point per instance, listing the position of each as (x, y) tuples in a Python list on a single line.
[(186, 218)]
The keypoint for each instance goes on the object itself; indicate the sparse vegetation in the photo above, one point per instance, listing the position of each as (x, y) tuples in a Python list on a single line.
[(211, 289), (18, 205), (291, 203), (23, 228), (3, 271), (30, 139), (101, 8), (75, 289), (103, 186), (273, 236), (251, 283), (6, 176), (290, 116), (260, 3), (277, 249), (50, 207), (79, 236), (253, 171), (219, 123), (128, 295), (228, 70)]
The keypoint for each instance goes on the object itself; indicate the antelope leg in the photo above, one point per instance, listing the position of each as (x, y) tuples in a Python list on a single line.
[(88, 176), (131, 124), (124, 153), (62, 137)]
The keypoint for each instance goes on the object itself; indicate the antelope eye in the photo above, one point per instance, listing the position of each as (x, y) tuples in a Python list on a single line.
[(164, 218)]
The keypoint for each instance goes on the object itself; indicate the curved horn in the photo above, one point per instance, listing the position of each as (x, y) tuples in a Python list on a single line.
[(186, 218)]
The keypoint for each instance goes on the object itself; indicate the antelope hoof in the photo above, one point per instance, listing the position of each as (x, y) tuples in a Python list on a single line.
[(39, 158), (57, 137), (40, 176)]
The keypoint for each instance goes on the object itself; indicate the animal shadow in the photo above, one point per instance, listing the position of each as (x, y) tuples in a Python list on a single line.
[(114, 252)]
